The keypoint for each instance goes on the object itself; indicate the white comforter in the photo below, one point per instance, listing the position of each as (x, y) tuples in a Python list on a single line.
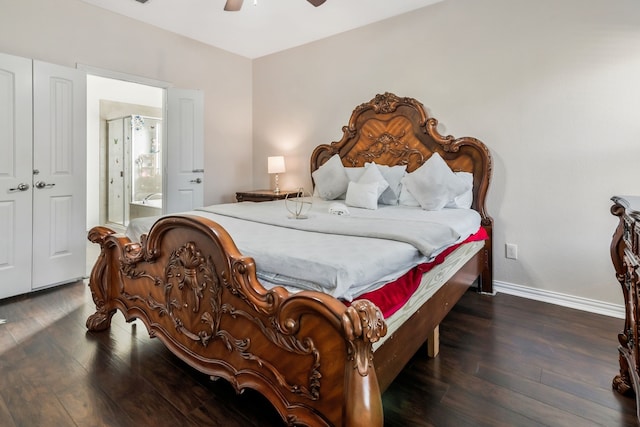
[(344, 256)]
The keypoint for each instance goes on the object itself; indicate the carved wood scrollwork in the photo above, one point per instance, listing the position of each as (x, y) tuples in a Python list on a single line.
[(363, 324), (189, 280), (385, 103), (101, 319), (386, 143), (622, 382)]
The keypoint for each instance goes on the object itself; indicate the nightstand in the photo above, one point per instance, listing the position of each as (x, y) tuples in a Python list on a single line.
[(263, 195)]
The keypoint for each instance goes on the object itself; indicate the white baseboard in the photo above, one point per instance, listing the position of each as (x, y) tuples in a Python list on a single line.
[(579, 303)]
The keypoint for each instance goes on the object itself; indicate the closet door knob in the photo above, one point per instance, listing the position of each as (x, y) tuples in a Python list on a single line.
[(196, 181), (42, 184), (20, 187)]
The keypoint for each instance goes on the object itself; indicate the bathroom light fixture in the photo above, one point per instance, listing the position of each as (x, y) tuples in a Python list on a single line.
[(275, 164)]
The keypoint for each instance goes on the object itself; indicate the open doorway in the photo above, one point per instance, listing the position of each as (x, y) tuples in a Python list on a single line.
[(125, 136)]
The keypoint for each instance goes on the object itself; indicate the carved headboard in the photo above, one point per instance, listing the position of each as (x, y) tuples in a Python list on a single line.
[(393, 131)]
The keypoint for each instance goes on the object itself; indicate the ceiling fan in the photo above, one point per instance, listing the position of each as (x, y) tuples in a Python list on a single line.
[(235, 5)]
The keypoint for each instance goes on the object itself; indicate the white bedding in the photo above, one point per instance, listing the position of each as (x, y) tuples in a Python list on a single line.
[(350, 255)]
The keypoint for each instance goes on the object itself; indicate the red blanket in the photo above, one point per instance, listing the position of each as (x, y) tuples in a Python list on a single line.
[(394, 295)]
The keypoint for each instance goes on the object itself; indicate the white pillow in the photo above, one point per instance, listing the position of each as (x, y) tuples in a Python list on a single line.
[(331, 179), (406, 198), (434, 184), (464, 200), (362, 195), (354, 174), (393, 175), (373, 174)]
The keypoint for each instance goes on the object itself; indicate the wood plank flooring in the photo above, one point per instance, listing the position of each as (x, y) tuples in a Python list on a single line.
[(504, 361)]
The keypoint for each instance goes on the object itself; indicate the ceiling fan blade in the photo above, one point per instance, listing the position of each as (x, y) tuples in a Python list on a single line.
[(316, 3), (233, 5)]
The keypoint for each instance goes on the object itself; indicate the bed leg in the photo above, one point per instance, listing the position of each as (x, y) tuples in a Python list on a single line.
[(486, 277), (433, 342), (100, 320), (363, 403), (98, 282)]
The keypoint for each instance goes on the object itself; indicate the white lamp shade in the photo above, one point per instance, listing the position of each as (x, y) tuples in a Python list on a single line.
[(275, 164)]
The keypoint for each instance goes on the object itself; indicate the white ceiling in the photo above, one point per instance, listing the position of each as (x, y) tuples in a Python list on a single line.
[(268, 27)]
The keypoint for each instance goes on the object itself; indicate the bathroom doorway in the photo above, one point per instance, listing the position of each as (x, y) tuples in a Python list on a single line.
[(125, 137), (133, 166)]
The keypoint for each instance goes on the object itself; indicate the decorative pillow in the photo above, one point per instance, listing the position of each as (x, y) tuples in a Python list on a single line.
[(354, 174), (373, 174), (331, 179), (362, 195), (406, 198), (393, 175), (434, 184), (464, 200)]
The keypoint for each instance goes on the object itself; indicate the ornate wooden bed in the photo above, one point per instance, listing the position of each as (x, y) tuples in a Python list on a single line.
[(308, 353)]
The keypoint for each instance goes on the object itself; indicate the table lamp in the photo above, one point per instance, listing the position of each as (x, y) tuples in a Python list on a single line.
[(275, 164)]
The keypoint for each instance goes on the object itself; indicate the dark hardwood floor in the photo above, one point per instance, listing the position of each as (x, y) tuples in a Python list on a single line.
[(504, 361)]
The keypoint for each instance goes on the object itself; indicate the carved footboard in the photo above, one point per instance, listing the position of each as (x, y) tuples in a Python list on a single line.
[(307, 353)]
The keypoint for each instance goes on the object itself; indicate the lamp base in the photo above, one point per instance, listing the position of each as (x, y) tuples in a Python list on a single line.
[(277, 189)]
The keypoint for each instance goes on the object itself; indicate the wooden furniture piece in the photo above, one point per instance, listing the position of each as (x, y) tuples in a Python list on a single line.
[(307, 353), (263, 195), (625, 254)]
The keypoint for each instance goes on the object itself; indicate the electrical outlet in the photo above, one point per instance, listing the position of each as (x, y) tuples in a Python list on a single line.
[(511, 251)]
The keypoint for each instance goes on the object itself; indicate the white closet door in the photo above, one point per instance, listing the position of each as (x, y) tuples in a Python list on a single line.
[(15, 175), (184, 177), (59, 180)]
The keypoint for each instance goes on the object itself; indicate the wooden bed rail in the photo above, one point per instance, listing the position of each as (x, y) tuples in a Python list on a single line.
[(308, 353)]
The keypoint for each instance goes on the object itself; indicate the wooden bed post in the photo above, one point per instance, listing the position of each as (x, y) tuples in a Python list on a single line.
[(363, 325), (486, 278), (99, 281)]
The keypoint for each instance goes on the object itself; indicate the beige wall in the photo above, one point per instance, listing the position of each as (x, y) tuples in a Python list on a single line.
[(70, 32), (551, 86)]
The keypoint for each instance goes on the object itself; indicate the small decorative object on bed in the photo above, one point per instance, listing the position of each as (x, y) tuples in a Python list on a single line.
[(625, 254), (299, 204), (305, 332)]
